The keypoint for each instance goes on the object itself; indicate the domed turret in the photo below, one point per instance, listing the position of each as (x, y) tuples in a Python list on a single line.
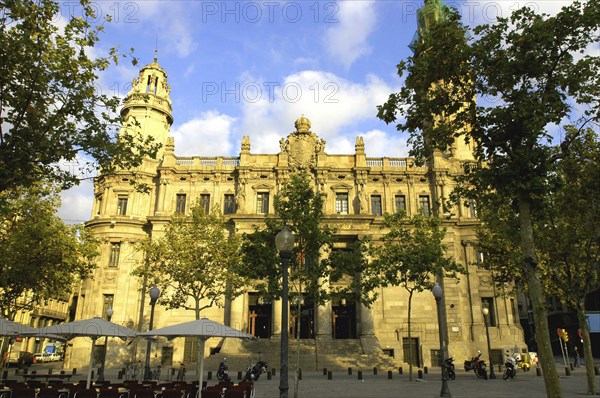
[(148, 106)]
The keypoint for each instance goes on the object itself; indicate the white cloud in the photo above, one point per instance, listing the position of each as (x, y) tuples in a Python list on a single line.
[(333, 104), (206, 135), (76, 206), (171, 23), (346, 41)]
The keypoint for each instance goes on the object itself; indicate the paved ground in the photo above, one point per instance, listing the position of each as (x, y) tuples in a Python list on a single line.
[(466, 385)]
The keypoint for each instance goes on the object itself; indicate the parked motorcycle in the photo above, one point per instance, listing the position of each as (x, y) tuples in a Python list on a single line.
[(255, 370), (478, 366), (223, 371), (510, 370), (450, 370)]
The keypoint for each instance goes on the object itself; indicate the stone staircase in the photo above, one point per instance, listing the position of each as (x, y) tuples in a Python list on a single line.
[(313, 355)]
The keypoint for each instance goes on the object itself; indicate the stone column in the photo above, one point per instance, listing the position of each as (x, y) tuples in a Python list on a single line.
[(237, 309)]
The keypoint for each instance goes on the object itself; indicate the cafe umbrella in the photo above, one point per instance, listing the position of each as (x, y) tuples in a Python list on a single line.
[(93, 328), (203, 329)]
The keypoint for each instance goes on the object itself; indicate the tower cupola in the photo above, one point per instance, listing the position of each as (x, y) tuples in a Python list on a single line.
[(148, 106)]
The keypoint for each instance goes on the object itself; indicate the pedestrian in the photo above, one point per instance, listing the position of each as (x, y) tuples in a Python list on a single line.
[(181, 373), (576, 356)]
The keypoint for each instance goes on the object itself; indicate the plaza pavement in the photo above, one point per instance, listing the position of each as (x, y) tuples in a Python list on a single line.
[(316, 385)]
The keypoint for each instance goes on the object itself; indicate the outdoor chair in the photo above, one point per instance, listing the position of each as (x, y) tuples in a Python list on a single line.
[(23, 393), (86, 393), (172, 393), (211, 394), (141, 393), (52, 393), (235, 393), (110, 393)]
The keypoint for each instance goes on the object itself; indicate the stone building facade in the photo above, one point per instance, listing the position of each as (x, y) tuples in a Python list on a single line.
[(357, 189)]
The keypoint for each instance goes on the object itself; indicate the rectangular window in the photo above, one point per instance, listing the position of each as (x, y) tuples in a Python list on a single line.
[(122, 205), (262, 203), (180, 203), (376, 208), (115, 251), (424, 205), (205, 202), (229, 205), (108, 302), (341, 203), (472, 208), (400, 203), (488, 302)]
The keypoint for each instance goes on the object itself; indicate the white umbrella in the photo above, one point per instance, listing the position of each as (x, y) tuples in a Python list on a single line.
[(94, 328), (10, 328), (203, 329)]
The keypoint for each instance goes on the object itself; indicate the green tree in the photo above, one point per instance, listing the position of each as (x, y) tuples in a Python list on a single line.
[(195, 264), (313, 264), (300, 208), (569, 233), (528, 73), (40, 256), (411, 254), (51, 110)]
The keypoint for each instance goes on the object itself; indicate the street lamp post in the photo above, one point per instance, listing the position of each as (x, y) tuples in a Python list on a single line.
[(154, 293), (486, 314), (109, 314), (284, 242), (438, 293)]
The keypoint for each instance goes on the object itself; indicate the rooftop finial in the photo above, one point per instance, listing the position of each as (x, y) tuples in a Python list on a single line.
[(156, 50)]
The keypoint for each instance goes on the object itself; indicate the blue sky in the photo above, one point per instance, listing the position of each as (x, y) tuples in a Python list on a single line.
[(253, 67)]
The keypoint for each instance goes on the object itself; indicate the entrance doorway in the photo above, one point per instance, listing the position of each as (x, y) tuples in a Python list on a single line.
[(303, 324), (344, 319), (260, 314), (415, 359)]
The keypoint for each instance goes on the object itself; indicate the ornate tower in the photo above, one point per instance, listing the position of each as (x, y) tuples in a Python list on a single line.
[(147, 107)]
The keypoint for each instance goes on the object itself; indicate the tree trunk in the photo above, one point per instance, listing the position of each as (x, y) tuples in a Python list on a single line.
[(587, 348), (410, 353), (538, 301)]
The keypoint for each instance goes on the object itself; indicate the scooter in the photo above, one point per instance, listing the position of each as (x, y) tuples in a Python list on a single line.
[(255, 370), (510, 370), (223, 371)]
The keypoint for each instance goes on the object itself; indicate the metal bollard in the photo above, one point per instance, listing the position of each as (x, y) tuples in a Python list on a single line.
[(400, 370), (299, 374), (572, 366), (74, 371), (209, 375), (5, 375), (597, 370), (425, 370), (268, 375), (375, 371), (349, 371), (567, 371), (329, 375), (420, 374), (390, 374), (324, 371), (239, 375), (273, 372), (360, 375)]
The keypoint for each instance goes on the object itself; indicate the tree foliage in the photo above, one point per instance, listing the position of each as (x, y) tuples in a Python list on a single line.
[(528, 73), (313, 264), (195, 264), (411, 254), (51, 108), (40, 256)]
